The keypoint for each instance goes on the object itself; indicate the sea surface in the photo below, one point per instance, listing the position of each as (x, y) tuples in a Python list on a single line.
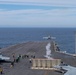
[(65, 37)]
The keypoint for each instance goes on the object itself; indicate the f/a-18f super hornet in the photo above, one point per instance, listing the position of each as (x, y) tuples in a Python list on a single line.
[(48, 38)]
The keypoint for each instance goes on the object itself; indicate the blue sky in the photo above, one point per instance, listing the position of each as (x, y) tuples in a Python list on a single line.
[(37, 13)]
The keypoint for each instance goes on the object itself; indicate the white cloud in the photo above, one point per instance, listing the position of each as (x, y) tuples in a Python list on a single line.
[(68, 3), (38, 17)]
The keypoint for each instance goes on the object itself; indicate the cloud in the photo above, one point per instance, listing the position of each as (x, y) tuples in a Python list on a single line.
[(38, 17), (51, 17), (63, 3)]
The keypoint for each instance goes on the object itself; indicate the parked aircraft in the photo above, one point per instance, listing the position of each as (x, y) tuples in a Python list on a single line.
[(4, 59), (66, 69)]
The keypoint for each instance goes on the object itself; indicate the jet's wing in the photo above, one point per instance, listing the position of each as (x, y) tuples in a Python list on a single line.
[(45, 37), (4, 58), (69, 69)]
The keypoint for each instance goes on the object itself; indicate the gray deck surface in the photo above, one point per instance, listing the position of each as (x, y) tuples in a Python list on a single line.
[(23, 67)]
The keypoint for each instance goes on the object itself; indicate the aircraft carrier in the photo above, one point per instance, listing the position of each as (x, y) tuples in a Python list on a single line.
[(38, 49)]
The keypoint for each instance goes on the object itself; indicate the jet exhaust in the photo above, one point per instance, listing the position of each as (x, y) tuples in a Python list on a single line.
[(48, 51)]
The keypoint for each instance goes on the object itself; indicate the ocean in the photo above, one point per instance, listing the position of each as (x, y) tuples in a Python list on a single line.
[(65, 37)]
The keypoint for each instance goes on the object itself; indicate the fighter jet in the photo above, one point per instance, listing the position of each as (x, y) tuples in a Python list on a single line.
[(66, 69), (4, 59), (48, 38)]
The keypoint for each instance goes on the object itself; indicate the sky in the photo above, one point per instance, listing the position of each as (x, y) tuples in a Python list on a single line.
[(37, 13)]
